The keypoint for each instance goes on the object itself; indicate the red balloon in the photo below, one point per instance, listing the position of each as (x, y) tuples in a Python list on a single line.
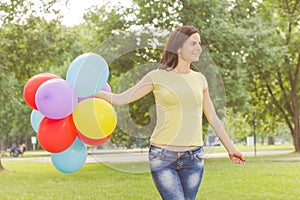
[(57, 135), (32, 85), (90, 141)]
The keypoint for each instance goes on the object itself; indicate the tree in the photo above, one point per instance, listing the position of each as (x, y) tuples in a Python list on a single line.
[(256, 44), (1, 166), (240, 49), (237, 125), (223, 42), (5, 82), (287, 72), (126, 53), (29, 45), (31, 48), (150, 22), (273, 61)]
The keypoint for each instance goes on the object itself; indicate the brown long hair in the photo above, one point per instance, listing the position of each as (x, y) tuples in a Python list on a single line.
[(176, 39)]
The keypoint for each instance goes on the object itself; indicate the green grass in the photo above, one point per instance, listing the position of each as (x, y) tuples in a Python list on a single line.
[(261, 178), (31, 180)]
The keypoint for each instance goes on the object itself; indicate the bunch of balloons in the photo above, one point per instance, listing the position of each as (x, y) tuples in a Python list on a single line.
[(66, 115)]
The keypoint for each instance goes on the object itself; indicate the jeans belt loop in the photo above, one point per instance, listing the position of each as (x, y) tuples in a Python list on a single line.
[(191, 155), (161, 153)]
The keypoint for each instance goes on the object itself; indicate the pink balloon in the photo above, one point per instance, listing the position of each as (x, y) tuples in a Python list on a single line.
[(106, 88), (83, 98), (56, 98)]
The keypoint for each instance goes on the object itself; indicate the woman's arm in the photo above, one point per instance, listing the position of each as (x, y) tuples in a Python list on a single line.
[(219, 129), (142, 88)]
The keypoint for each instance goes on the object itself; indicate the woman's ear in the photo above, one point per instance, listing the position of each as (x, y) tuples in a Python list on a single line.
[(178, 51)]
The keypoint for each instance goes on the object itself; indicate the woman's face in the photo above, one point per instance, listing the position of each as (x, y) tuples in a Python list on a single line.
[(191, 49)]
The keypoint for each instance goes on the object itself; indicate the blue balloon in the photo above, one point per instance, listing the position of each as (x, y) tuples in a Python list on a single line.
[(88, 73), (72, 159), (35, 119)]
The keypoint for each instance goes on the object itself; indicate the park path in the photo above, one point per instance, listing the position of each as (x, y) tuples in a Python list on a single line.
[(108, 156)]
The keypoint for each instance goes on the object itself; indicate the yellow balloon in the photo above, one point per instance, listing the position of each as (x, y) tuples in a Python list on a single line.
[(95, 118)]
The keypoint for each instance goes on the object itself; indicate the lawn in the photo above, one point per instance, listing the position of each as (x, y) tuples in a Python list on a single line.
[(261, 178)]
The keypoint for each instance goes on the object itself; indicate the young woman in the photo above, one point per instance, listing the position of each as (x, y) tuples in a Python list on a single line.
[(181, 96)]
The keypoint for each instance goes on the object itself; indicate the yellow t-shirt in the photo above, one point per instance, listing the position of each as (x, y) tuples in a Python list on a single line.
[(179, 101)]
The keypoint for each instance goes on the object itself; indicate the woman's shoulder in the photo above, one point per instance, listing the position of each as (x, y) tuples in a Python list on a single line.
[(202, 78), (156, 72), (159, 75), (197, 73)]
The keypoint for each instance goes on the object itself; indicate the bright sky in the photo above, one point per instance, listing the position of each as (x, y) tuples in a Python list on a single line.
[(73, 14)]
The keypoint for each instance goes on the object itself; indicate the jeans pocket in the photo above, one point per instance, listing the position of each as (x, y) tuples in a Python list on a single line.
[(199, 156), (153, 155)]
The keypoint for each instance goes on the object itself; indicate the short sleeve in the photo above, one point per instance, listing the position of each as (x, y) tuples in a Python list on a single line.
[(154, 76), (205, 85)]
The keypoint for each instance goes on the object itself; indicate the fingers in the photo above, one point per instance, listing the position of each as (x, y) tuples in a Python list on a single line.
[(239, 161), (238, 158)]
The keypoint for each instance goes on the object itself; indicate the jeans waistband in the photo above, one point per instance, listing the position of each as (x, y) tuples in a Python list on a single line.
[(178, 153)]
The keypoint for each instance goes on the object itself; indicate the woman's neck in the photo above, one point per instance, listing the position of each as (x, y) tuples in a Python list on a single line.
[(183, 66)]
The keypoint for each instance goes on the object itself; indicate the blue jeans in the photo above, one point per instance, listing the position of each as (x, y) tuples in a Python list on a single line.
[(177, 175)]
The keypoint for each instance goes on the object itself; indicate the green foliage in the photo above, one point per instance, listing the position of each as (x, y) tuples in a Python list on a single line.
[(29, 46), (159, 14), (137, 119), (273, 63), (223, 41), (251, 58), (237, 125)]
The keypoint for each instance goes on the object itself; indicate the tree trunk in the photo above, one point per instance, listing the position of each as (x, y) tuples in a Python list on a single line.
[(1, 166), (296, 137)]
